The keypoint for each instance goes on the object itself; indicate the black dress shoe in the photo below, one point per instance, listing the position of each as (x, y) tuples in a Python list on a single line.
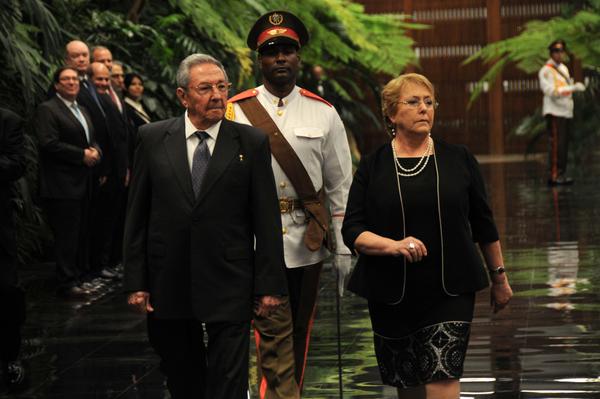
[(561, 181), (14, 374), (74, 292)]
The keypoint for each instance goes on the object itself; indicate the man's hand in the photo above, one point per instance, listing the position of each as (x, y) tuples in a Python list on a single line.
[(343, 264), (264, 305), (90, 157), (140, 300)]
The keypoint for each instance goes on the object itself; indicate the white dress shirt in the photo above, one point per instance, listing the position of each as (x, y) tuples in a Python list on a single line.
[(315, 131), (192, 140)]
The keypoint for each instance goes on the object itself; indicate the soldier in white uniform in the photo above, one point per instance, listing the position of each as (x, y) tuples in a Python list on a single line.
[(314, 130), (558, 87)]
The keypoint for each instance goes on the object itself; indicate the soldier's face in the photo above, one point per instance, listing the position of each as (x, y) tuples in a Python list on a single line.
[(279, 64)]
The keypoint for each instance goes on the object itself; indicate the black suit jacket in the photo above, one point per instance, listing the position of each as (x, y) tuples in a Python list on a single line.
[(117, 144), (466, 219), (204, 258), (12, 167), (62, 141)]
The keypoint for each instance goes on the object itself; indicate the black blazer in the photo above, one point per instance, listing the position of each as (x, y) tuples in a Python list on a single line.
[(206, 258), (62, 140), (466, 219), (117, 145)]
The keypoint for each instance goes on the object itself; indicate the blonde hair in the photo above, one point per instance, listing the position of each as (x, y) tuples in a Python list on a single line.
[(390, 95)]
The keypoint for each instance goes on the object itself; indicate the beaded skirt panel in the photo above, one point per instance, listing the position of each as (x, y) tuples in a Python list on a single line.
[(432, 353)]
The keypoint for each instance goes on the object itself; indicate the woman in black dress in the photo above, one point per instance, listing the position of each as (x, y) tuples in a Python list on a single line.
[(134, 90), (416, 207)]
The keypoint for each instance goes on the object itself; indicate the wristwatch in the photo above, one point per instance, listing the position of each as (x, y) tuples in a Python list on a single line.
[(497, 271)]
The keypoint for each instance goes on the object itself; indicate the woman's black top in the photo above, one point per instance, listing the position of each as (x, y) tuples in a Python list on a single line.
[(374, 205)]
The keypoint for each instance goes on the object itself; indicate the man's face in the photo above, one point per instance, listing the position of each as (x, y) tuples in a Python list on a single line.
[(279, 64), (78, 56), (557, 53), (101, 77), (68, 85), (117, 77), (103, 56), (205, 106)]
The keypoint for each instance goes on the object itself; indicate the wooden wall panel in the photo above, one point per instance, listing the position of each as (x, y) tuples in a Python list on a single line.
[(458, 29)]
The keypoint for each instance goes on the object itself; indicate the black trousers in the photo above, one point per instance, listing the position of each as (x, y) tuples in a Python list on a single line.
[(558, 145), (105, 212), (69, 221), (12, 317), (218, 370)]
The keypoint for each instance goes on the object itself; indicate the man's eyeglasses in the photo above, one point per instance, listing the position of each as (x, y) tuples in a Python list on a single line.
[(415, 103), (205, 88)]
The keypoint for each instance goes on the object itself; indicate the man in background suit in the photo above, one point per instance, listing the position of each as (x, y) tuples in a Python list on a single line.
[(203, 237), (68, 152), (110, 193), (12, 297)]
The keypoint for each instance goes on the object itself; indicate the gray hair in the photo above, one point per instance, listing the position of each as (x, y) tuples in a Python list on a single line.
[(183, 72)]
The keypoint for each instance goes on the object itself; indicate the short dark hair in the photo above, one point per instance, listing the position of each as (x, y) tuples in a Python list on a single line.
[(129, 79), (558, 41), (59, 71)]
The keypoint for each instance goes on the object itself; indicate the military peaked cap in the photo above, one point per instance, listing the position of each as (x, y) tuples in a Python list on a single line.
[(277, 27)]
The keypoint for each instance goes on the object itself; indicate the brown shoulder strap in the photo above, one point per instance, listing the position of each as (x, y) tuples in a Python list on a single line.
[(280, 148)]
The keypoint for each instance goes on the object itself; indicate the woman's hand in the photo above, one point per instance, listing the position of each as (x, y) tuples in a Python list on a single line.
[(500, 294), (411, 248)]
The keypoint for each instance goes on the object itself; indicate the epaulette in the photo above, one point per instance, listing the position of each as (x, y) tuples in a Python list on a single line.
[(245, 94), (312, 95)]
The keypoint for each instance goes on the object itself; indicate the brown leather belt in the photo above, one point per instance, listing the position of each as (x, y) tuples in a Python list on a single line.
[(288, 205)]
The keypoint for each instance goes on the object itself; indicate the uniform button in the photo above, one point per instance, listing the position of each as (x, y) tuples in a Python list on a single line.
[(279, 112), (284, 231), (282, 184)]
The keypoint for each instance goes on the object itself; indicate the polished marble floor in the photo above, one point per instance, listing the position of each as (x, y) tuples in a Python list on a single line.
[(545, 345)]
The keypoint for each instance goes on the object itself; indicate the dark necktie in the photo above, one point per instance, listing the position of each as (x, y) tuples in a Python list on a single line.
[(200, 162)]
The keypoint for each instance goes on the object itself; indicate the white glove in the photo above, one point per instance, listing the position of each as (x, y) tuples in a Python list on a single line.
[(342, 264), (578, 87), (566, 89)]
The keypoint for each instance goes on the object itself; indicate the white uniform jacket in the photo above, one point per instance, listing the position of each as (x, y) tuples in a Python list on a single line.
[(557, 89), (315, 131)]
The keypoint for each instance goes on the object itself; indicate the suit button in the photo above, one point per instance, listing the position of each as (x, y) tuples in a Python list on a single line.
[(284, 231)]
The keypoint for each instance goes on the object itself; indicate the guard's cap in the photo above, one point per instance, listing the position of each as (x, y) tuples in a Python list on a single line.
[(276, 27)]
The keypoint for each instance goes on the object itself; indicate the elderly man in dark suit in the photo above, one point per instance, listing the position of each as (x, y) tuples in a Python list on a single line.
[(12, 299), (68, 152), (203, 237)]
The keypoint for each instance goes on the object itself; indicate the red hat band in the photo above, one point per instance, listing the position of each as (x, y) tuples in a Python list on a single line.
[(277, 32)]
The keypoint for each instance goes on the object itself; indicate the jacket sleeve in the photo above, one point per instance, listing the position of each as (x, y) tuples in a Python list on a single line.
[(481, 218), (355, 221), (47, 129), (269, 263), (12, 151), (136, 221)]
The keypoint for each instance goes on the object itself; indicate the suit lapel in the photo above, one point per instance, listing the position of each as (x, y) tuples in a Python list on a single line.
[(176, 148), (66, 111), (226, 148)]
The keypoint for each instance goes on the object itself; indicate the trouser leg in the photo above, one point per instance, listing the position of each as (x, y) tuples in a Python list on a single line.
[(275, 354), (228, 346), (303, 284), (67, 219), (105, 211), (558, 145), (180, 345)]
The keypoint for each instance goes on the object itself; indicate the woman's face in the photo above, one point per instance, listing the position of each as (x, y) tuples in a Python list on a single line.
[(136, 88), (415, 111)]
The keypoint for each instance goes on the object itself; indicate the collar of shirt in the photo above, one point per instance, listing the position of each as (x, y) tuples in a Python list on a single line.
[(190, 129), (274, 100), (68, 103), (551, 61)]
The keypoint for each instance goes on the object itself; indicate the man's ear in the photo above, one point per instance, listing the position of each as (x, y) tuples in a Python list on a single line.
[(182, 96)]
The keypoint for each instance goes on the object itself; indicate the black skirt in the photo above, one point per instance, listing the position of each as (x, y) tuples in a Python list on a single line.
[(422, 339)]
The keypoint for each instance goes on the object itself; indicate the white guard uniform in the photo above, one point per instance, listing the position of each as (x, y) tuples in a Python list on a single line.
[(557, 89), (315, 131)]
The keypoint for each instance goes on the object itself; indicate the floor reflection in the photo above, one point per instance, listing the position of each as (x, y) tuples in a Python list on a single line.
[(545, 345)]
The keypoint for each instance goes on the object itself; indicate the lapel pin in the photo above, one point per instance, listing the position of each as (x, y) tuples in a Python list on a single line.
[(241, 157)]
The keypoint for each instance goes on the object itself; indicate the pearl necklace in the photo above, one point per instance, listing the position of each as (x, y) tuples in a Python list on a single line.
[(419, 167)]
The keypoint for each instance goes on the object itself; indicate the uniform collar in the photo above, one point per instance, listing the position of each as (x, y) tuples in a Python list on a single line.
[(274, 100)]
